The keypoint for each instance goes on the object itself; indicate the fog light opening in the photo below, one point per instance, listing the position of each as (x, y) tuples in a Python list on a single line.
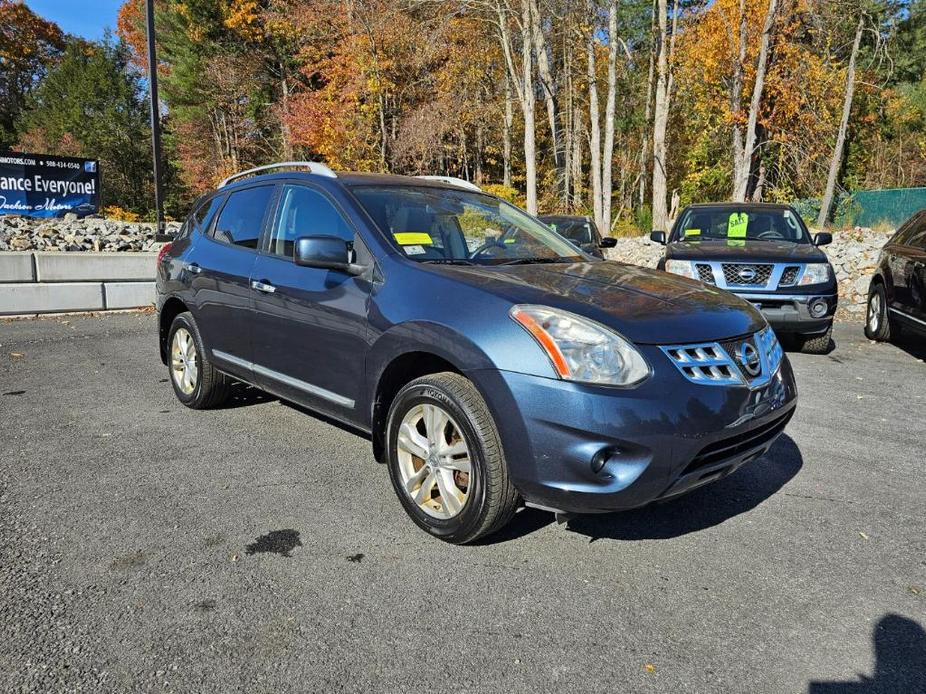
[(600, 459), (818, 308)]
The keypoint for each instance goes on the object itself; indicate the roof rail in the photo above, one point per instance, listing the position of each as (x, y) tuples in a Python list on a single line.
[(313, 167), (453, 180)]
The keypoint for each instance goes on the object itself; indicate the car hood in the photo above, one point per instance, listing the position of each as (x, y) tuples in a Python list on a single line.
[(646, 306), (746, 251)]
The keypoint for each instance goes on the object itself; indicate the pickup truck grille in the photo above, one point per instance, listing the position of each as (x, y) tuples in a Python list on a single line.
[(705, 273), (743, 274), (789, 276)]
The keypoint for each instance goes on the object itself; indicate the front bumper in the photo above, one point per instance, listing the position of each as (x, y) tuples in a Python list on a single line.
[(654, 442), (788, 313)]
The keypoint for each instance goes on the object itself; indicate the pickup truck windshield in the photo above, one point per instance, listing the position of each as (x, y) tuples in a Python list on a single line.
[(740, 224), (443, 225)]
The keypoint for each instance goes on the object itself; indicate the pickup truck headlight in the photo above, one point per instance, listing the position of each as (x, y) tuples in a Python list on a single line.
[(581, 349), (815, 273), (685, 268)]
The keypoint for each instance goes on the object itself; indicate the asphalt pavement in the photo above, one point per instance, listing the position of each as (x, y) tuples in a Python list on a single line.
[(147, 547)]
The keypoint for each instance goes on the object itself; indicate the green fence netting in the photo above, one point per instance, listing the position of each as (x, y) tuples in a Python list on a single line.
[(869, 208)]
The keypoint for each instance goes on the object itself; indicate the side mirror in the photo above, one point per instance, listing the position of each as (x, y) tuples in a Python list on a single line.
[(326, 253), (822, 239), (658, 237), (608, 242)]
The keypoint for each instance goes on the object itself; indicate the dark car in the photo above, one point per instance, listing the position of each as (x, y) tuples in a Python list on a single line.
[(897, 294), (84, 209), (582, 231), (490, 361), (764, 254)]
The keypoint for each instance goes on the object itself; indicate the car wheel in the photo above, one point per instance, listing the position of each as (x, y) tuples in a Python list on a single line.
[(196, 381), (446, 461), (818, 344), (877, 320)]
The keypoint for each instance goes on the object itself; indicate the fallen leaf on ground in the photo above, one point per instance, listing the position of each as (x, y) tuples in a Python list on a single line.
[(16, 355), (863, 535), (649, 667)]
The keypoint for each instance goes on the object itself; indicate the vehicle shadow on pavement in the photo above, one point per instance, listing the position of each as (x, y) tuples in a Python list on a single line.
[(703, 508), (900, 662), (912, 345), (243, 395)]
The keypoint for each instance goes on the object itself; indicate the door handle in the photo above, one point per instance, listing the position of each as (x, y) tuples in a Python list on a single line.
[(264, 287), (192, 267)]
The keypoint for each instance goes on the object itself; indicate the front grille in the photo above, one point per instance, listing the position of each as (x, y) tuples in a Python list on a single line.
[(789, 276), (746, 274), (732, 446), (705, 274), (722, 364)]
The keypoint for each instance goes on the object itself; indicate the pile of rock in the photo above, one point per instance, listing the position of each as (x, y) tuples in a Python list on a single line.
[(71, 234), (853, 253)]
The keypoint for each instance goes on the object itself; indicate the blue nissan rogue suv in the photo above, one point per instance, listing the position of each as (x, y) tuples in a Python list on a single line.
[(493, 363)]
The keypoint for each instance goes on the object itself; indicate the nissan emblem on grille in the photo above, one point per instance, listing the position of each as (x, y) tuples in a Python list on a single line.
[(747, 274), (748, 358)]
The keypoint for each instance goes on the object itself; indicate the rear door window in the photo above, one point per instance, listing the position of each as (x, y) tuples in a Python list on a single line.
[(241, 220)]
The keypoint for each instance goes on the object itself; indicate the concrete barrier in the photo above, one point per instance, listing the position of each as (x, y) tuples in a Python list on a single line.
[(16, 267), (33, 297), (41, 282), (100, 267), (128, 294)]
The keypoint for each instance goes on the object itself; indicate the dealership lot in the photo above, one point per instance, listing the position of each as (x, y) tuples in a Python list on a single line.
[(147, 547)]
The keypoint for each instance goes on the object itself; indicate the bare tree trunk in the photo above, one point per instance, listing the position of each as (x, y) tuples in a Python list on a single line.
[(524, 85), (286, 134), (836, 160), (747, 157), (648, 114), (736, 94), (548, 84), (506, 135), (608, 154), (594, 127), (577, 157), (661, 112)]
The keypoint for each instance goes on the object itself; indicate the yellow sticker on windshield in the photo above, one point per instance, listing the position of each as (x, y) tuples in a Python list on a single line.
[(736, 225), (511, 240), (692, 232), (734, 243), (412, 238)]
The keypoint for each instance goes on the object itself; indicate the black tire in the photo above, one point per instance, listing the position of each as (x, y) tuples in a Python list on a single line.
[(491, 499), (818, 344), (879, 329), (212, 388)]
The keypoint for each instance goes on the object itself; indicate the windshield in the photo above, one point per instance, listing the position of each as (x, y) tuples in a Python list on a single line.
[(578, 231), (740, 224), (458, 226)]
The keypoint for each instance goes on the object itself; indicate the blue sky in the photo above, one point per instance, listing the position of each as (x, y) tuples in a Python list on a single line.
[(87, 18)]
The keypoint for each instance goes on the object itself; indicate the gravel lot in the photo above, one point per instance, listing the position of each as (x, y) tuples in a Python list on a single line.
[(147, 547)]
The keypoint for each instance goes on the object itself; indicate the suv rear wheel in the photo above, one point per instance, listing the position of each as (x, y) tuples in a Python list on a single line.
[(445, 459), (196, 382), (877, 321)]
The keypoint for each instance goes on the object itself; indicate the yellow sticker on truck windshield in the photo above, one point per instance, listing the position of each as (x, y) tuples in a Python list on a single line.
[(737, 225), (412, 238), (692, 232)]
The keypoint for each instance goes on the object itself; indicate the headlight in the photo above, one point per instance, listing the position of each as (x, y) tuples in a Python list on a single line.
[(580, 349), (685, 268), (815, 273)]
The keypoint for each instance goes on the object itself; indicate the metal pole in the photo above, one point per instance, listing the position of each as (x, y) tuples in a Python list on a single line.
[(155, 121)]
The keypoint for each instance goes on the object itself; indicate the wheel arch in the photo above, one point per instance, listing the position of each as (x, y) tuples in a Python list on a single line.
[(172, 308)]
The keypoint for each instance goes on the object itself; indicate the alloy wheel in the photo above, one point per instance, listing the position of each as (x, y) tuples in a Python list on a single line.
[(434, 461), (183, 366), (874, 313)]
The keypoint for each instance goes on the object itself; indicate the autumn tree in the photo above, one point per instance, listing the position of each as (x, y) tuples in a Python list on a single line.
[(29, 46)]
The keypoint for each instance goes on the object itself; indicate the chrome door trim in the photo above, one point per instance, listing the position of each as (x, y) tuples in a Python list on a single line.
[(284, 379), (907, 315)]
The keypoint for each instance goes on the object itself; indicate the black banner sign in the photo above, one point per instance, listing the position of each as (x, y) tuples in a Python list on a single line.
[(43, 185)]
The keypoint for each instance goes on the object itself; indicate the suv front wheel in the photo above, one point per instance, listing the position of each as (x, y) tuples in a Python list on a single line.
[(446, 461)]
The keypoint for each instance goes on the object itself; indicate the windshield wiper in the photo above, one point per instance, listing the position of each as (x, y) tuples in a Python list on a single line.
[(448, 261), (530, 261)]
